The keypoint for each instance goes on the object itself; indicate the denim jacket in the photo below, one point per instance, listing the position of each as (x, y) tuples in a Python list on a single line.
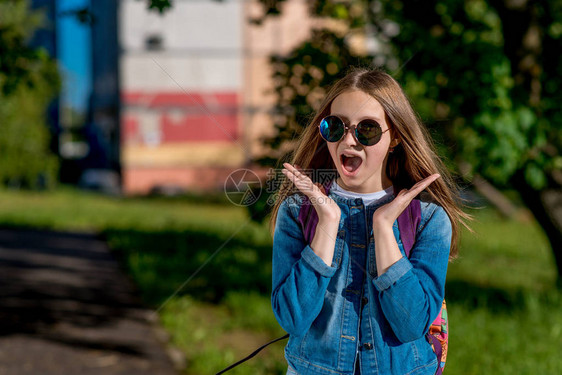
[(343, 313)]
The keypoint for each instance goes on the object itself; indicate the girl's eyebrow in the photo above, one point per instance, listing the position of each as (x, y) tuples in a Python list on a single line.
[(346, 120)]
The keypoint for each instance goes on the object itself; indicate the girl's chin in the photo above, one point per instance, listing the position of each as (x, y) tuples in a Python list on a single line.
[(349, 182)]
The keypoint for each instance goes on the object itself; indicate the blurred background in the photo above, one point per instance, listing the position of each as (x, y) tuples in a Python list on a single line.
[(122, 122)]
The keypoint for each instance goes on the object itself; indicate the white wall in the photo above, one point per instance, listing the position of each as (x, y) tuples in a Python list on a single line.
[(202, 46)]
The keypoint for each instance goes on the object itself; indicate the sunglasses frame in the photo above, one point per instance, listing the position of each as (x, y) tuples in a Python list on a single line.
[(347, 128)]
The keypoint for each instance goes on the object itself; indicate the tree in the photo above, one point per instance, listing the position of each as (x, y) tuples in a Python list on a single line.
[(28, 81), (486, 76)]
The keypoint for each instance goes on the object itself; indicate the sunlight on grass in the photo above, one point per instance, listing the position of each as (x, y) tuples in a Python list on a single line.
[(71, 209), (517, 252), (213, 337)]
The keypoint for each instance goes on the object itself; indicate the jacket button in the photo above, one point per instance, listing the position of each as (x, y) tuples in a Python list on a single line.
[(368, 346), (365, 300)]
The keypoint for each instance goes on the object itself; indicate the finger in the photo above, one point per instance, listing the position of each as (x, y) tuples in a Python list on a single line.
[(422, 184), (297, 182), (298, 172), (405, 196), (292, 169), (297, 175), (301, 181), (293, 175)]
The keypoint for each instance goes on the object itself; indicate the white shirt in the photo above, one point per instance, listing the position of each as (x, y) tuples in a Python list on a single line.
[(368, 198)]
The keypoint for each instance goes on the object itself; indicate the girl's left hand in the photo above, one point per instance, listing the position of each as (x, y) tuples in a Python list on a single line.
[(386, 215)]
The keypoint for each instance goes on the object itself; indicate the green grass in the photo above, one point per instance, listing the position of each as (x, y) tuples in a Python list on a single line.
[(215, 336), (70, 209), (505, 254), (523, 340), (504, 311)]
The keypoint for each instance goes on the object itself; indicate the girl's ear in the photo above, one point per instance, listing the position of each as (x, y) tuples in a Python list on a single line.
[(394, 135)]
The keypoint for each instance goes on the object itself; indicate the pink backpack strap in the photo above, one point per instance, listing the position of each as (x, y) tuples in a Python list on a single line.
[(438, 352), (408, 223)]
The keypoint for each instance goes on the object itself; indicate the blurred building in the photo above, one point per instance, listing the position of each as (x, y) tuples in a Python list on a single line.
[(84, 119), (179, 100), (194, 89)]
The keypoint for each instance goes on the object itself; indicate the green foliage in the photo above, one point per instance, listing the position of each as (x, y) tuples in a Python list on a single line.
[(480, 92), (19, 63), (302, 76), (28, 81), (484, 75)]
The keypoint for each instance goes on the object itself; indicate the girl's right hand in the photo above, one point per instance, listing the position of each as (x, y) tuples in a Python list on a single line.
[(326, 208)]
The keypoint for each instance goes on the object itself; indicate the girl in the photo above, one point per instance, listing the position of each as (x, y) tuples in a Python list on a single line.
[(350, 300)]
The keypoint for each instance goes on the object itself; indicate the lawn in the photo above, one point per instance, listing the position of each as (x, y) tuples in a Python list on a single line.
[(206, 268)]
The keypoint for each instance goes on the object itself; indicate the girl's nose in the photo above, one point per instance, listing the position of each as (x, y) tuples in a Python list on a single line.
[(349, 137)]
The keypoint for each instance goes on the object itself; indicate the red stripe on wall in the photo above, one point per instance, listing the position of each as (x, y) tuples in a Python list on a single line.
[(199, 128), (130, 128), (196, 116), (183, 99)]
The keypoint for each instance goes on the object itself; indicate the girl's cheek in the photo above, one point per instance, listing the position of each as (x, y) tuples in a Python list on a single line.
[(376, 157), (333, 155)]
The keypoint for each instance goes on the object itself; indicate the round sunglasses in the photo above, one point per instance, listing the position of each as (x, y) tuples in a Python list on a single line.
[(367, 132)]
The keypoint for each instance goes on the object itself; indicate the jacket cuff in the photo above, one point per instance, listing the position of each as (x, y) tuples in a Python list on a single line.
[(392, 275), (317, 264)]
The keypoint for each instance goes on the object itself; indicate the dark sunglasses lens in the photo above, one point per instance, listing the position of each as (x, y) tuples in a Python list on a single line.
[(368, 132), (331, 128)]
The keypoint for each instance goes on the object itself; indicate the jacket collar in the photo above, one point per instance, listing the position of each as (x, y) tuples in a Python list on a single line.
[(358, 201)]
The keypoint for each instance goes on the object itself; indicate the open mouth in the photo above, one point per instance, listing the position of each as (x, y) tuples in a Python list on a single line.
[(350, 164)]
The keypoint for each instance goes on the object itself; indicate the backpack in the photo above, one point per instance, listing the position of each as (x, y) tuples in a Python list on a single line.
[(438, 335), (408, 222)]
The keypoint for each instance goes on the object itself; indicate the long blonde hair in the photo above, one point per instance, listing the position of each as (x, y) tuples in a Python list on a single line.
[(413, 159)]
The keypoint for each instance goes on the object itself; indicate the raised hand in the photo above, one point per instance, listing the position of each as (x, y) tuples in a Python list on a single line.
[(385, 215), (326, 208), (329, 213), (387, 252)]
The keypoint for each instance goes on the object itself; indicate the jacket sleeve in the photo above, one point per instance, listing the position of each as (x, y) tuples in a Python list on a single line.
[(299, 276), (412, 290)]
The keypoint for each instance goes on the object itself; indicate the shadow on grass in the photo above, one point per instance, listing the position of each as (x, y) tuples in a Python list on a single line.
[(161, 262), (497, 300)]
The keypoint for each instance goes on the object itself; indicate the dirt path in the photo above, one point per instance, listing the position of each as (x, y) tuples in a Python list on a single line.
[(66, 308)]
